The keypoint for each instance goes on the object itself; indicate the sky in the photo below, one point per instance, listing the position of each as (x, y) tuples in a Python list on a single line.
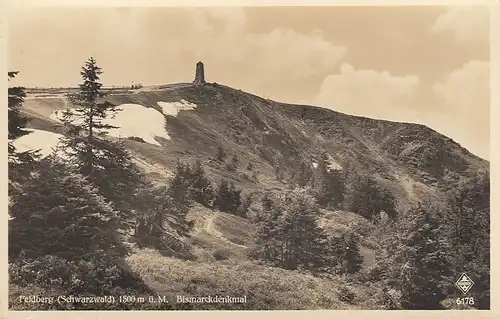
[(427, 65)]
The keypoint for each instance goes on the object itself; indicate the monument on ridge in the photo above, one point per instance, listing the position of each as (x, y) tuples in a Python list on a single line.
[(199, 77)]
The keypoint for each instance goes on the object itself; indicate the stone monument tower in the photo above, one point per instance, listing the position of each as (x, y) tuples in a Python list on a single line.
[(199, 77)]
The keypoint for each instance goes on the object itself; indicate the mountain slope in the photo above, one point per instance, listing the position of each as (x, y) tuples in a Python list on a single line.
[(184, 122), (411, 160)]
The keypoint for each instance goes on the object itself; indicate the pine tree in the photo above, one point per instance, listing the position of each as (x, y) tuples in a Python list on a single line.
[(118, 178), (201, 188), (349, 256), (287, 235), (468, 227), (87, 121), (16, 122), (234, 199), (222, 196), (302, 238), (20, 163), (105, 163), (228, 198), (266, 232), (329, 185), (180, 186), (246, 202), (59, 213), (152, 221), (423, 253)]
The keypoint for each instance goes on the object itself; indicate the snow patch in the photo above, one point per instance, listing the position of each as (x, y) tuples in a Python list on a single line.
[(315, 165), (173, 108), (44, 141), (332, 164), (132, 120)]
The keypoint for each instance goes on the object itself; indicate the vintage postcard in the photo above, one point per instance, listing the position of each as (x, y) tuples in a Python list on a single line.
[(191, 158)]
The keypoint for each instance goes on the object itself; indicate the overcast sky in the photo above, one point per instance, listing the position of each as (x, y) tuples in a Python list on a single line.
[(427, 65)]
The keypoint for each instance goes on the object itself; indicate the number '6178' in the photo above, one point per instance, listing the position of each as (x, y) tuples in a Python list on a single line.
[(469, 301)]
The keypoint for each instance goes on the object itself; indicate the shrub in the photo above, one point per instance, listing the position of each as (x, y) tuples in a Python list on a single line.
[(221, 154), (55, 276), (346, 294), (221, 254)]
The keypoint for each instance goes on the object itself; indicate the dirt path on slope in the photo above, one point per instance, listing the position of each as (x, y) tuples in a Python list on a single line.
[(209, 228)]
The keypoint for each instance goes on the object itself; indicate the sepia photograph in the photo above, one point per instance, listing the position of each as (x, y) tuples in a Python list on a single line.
[(249, 158)]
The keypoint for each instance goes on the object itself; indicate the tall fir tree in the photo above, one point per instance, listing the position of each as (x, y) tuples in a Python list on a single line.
[(424, 255), (106, 163), (87, 121), (303, 177), (246, 203), (266, 230), (302, 240)]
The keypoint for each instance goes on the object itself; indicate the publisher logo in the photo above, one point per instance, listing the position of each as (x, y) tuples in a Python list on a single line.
[(464, 283)]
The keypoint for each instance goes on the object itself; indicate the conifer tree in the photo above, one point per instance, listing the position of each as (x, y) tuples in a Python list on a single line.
[(59, 213), (20, 163), (228, 197), (201, 188), (302, 239), (16, 122), (180, 186), (347, 251), (152, 221), (424, 255), (303, 177), (250, 166), (222, 196), (266, 232), (468, 228), (329, 185), (234, 197), (246, 202), (104, 162), (87, 121), (235, 160)]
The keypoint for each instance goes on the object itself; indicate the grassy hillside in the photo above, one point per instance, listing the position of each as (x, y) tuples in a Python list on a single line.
[(412, 162)]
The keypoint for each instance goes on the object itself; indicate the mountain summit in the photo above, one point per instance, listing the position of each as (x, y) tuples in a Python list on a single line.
[(261, 197), (411, 160)]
